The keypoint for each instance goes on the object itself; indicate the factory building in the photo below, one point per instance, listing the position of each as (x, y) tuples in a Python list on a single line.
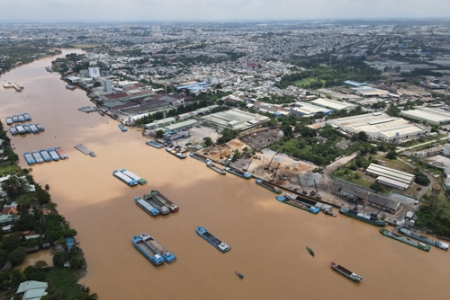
[(235, 119), (390, 177), (373, 199), (428, 115), (379, 126), (333, 105)]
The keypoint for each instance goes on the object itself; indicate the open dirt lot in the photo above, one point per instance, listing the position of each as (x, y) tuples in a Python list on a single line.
[(260, 139)]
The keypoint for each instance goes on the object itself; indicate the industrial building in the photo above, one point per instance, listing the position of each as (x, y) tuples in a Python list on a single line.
[(354, 84), (390, 177), (373, 199), (429, 115), (333, 105), (379, 126), (235, 119), (303, 109), (368, 91)]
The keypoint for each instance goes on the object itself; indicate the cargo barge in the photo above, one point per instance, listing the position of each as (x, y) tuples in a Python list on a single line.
[(154, 144), (238, 173), (45, 155), (62, 154), (162, 208), (268, 186), (29, 158), (151, 242), (347, 273), (148, 252), (163, 200), (176, 153), (37, 157), (221, 246), (139, 179), (53, 154), (422, 238), (405, 240), (213, 167), (198, 157), (297, 204), (124, 178), (147, 206), (371, 219)]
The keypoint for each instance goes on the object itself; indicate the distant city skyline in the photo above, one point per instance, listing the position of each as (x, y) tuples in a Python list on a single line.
[(210, 10)]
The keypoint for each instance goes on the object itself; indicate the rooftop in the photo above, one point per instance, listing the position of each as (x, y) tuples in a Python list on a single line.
[(332, 104)]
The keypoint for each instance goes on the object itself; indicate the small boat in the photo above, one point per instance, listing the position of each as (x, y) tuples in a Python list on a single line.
[(167, 255), (347, 273), (122, 128), (101, 113), (13, 130), (221, 246), (33, 128), (238, 173), (29, 158), (405, 240), (9, 120), (45, 155), (268, 186), (240, 275), (147, 206), (15, 118), (70, 87), (62, 154), (53, 154), (92, 154), (213, 167), (37, 156), (145, 249), (310, 251), (27, 116), (162, 208), (21, 118)]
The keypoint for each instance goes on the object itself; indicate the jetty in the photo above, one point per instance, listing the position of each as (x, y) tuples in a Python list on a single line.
[(14, 85)]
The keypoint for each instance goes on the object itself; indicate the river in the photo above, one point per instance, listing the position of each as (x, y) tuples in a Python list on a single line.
[(267, 238)]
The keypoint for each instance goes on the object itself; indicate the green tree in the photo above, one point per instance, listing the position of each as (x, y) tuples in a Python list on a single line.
[(159, 133), (208, 141), (391, 154), (59, 258), (17, 256), (362, 136), (12, 241)]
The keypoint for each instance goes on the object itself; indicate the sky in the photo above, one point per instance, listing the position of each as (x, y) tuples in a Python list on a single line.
[(216, 10)]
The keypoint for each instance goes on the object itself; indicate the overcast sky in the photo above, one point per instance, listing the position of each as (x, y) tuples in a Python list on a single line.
[(211, 10)]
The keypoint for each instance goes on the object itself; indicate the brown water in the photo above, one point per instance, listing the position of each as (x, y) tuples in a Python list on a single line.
[(267, 238)]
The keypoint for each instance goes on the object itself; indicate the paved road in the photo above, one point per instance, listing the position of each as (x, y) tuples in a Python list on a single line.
[(430, 177)]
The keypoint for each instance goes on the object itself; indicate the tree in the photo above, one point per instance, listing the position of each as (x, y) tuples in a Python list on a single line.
[(59, 258), (208, 141), (376, 187), (17, 256), (362, 136), (70, 232), (42, 196), (159, 133), (12, 241), (391, 154)]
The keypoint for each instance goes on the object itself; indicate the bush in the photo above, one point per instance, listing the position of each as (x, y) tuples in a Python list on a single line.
[(391, 154)]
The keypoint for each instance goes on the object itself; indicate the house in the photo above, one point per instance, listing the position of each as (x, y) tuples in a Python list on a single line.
[(32, 290)]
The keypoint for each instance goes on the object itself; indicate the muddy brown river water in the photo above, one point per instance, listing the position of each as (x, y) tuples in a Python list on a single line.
[(267, 238)]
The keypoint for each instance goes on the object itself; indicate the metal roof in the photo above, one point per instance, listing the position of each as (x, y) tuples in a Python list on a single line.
[(393, 174), (31, 284)]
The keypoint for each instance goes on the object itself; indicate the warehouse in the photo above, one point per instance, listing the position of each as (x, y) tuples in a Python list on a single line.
[(373, 199), (390, 177), (428, 115), (333, 105), (370, 92), (235, 119), (380, 126)]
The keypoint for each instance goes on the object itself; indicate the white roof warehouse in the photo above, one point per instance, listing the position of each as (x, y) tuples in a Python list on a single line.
[(390, 177), (429, 115), (379, 126)]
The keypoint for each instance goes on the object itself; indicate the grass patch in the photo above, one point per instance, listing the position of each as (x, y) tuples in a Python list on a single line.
[(437, 220), (307, 81), (9, 169)]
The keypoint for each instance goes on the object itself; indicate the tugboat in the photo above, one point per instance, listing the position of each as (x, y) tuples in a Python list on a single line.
[(240, 275), (347, 273), (310, 251)]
